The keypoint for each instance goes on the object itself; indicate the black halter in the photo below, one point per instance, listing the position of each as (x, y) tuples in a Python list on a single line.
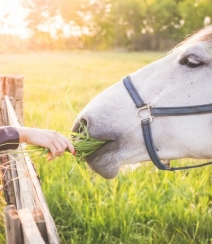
[(161, 111)]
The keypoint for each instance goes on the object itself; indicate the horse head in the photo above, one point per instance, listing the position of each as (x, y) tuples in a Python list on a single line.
[(181, 79)]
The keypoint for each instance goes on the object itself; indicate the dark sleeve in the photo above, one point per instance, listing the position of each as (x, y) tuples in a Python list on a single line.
[(9, 138)]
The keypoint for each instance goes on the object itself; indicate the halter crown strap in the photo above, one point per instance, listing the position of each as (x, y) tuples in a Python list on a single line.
[(161, 111), (133, 92)]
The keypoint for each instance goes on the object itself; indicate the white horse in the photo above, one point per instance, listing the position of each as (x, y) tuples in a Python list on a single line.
[(181, 78)]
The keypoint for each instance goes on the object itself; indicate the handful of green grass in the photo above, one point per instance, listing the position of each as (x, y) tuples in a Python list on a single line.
[(84, 145)]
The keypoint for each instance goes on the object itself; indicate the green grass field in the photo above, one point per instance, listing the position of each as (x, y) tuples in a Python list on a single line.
[(143, 206)]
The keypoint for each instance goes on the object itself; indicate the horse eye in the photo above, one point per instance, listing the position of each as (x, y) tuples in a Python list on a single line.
[(191, 62)]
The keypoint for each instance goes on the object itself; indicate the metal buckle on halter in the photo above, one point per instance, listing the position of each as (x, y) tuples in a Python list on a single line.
[(149, 116)]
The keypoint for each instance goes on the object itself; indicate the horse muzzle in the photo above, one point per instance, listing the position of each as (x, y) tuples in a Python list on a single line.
[(102, 161)]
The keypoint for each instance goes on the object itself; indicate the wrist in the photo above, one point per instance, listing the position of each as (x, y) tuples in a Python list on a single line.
[(22, 131)]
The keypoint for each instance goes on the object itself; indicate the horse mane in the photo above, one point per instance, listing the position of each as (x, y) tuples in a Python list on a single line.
[(204, 34)]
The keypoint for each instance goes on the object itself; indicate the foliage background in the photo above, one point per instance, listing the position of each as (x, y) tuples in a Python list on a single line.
[(107, 24)]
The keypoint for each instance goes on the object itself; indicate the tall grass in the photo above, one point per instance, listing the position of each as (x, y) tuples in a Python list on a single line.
[(140, 206)]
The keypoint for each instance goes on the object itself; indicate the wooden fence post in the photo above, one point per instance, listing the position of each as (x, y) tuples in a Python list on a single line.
[(13, 225), (28, 217), (12, 86)]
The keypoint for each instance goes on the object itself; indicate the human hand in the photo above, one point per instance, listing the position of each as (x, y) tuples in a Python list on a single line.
[(51, 139)]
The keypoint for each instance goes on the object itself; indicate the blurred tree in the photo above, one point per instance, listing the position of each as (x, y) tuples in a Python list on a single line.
[(194, 15), (161, 21), (102, 24), (55, 17)]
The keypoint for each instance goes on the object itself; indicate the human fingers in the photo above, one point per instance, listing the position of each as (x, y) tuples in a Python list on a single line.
[(69, 145), (65, 143), (60, 146), (49, 156), (61, 143), (53, 152)]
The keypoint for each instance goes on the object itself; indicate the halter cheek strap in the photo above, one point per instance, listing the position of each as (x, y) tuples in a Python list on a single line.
[(157, 112)]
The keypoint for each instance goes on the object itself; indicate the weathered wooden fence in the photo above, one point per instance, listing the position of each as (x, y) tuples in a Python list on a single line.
[(27, 217)]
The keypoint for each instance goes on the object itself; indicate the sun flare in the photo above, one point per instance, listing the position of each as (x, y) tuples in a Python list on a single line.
[(12, 18)]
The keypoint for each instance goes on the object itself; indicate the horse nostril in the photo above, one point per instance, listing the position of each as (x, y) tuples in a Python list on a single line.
[(79, 126), (83, 124)]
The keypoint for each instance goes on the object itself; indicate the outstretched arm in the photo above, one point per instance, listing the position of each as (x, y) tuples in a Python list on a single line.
[(57, 143), (53, 140)]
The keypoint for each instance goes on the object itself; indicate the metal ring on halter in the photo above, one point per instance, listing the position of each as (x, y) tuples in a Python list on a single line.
[(149, 117)]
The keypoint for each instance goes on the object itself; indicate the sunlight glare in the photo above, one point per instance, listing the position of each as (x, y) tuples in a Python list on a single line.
[(12, 17)]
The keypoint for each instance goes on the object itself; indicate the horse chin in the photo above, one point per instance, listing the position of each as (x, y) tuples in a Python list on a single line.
[(103, 162)]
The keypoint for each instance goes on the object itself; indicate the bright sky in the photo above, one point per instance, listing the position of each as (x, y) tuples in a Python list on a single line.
[(12, 21), (11, 18)]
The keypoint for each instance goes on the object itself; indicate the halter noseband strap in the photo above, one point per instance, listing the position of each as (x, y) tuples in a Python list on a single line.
[(161, 111)]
